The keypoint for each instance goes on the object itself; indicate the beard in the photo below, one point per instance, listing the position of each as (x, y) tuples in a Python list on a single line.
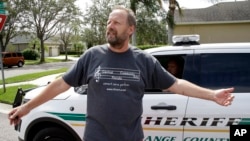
[(115, 41)]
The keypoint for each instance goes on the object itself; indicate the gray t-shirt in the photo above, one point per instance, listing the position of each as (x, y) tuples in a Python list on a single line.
[(116, 83)]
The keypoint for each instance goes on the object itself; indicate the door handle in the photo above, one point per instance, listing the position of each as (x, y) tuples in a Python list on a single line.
[(163, 107)]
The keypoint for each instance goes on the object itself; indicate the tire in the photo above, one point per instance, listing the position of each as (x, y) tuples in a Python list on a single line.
[(20, 64), (52, 134)]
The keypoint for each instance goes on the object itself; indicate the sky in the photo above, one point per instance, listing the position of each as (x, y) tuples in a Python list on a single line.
[(191, 4)]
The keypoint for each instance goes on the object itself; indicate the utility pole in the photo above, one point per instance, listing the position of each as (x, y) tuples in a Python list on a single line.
[(3, 17)]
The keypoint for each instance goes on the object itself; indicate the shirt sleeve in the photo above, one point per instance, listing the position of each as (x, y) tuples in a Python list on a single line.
[(76, 75)]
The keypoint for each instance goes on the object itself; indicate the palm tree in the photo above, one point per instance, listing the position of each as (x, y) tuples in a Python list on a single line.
[(173, 4), (149, 4)]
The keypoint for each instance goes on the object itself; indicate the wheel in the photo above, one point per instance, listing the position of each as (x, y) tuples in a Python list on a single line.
[(52, 134), (20, 64)]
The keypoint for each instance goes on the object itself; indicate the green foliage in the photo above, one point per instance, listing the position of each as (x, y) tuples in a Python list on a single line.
[(44, 16), (96, 18), (30, 54), (35, 43), (150, 29), (12, 25)]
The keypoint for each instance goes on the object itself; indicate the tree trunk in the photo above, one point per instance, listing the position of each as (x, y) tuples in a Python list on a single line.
[(66, 53), (170, 35), (133, 8), (134, 39), (171, 23), (42, 59)]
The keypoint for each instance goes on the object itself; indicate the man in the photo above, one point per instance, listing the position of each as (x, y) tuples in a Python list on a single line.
[(174, 66), (117, 74)]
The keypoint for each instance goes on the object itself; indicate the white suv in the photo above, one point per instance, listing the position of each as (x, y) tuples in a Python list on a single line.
[(166, 117)]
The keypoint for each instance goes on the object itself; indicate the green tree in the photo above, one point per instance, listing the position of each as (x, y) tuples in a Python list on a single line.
[(150, 5), (172, 6), (95, 20), (13, 25), (35, 44), (170, 18), (67, 30), (96, 17), (43, 17), (148, 22)]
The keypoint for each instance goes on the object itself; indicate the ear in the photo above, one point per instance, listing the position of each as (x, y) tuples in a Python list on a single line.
[(131, 30)]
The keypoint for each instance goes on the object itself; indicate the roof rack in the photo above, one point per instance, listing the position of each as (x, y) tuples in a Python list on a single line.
[(180, 40)]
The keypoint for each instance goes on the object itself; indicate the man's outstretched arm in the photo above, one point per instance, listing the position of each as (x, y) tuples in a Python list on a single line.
[(222, 97), (52, 90)]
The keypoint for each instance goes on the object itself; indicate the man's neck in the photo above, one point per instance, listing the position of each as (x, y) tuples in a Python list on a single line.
[(121, 49)]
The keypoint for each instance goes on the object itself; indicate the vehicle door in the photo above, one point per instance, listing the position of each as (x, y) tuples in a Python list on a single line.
[(15, 58), (218, 68), (7, 59), (164, 111)]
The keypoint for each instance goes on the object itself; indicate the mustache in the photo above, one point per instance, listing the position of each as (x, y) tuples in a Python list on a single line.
[(111, 31)]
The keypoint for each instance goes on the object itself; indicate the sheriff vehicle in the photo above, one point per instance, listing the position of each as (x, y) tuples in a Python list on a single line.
[(167, 116)]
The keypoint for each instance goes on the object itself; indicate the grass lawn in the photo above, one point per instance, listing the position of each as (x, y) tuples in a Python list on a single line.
[(32, 76), (47, 60), (9, 96)]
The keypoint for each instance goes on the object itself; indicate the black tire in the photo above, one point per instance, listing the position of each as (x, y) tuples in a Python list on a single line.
[(53, 134), (20, 64)]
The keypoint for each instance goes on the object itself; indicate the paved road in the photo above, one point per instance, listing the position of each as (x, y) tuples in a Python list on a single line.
[(26, 69), (7, 132)]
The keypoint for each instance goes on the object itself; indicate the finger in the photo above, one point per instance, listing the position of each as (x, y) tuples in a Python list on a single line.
[(12, 118), (229, 90), (12, 112), (230, 98), (13, 115), (16, 120), (228, 101)]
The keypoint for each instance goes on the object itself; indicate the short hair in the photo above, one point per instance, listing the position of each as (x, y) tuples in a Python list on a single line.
[(131, 15)]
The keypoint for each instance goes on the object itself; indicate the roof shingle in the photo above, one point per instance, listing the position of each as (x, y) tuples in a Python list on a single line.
[(221, 12)]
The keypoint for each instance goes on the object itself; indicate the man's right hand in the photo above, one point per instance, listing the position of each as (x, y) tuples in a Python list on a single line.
[(16, 114)]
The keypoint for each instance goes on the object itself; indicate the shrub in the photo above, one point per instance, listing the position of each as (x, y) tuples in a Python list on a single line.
[(30, 54)]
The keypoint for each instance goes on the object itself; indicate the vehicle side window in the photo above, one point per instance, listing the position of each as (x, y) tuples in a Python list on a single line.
[(174, 64), (19, 54), (13, 54), (225, 70), (7, 55)]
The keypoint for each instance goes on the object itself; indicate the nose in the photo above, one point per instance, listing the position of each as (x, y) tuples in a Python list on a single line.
[(110, 25)]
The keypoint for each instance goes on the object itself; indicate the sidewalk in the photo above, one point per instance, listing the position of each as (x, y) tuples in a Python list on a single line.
[(5, 108)]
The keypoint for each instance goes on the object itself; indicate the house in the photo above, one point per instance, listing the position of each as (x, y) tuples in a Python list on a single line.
[(222, 22), (22, 42)]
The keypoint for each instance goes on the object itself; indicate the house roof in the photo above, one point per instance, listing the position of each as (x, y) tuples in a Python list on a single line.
[(221, 12), (27, 38)]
